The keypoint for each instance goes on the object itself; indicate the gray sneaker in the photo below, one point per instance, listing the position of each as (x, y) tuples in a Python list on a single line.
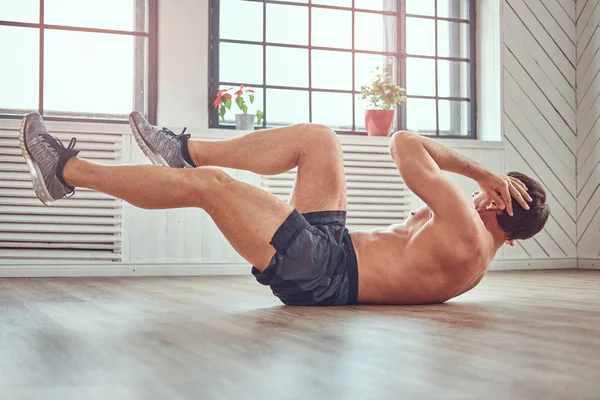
[(46, 157), (162, 146)]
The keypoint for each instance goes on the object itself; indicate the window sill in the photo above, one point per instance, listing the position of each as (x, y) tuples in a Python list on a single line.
[(216, 134)]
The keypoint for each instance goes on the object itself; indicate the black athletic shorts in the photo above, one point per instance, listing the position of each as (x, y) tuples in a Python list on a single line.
[(315, 263)]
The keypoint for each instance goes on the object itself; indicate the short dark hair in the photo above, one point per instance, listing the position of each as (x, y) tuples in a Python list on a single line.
[(526, 223)]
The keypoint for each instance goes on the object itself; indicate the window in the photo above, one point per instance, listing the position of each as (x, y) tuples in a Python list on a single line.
[(307, 59), (72, 59)]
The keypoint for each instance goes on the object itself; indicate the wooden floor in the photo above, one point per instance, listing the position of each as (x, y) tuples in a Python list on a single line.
[(526, 335)]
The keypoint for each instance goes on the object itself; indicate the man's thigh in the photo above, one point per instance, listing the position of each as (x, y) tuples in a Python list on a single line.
[(320, 182)]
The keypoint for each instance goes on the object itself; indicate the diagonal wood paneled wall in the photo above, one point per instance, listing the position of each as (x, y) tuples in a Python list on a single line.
[(540, 118), (588, 127)]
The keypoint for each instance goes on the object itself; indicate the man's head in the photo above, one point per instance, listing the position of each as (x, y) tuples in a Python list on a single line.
[(524, 223)]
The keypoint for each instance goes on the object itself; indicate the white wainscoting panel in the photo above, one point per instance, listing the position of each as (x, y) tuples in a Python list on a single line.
[(588, 135), (86, 228), (540, 119)]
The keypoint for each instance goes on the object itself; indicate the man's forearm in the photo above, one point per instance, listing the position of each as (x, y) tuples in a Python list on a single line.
[(450, 160)]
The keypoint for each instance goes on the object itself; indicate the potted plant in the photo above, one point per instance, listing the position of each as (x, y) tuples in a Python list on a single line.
[(243, 96), (382, 95)]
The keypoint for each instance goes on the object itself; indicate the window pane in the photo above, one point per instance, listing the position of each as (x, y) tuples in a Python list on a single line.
[(365, 64), (257, 105), (322, 33), (88, 73), (453, 39), (379, 5), (106, 14), (421, 115), (241, 63), (361, 106), (332, 109), (234, 16), (420, 77), (337, 3), (19, 69), (20, 10), (454, 117), (420, 36), (280, 18), (331, 70), (453, 78), (420, 7), (453, 8), (286, 107), (375, 32), (287, 66)]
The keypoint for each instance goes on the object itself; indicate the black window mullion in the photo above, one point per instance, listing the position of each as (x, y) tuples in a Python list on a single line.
[(473, 69), (353, 71), (401, 60), (264, 121), (213, 60), (41, 62), (310, 92), (437, 88)]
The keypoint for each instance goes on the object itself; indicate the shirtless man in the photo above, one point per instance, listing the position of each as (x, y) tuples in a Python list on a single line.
[(302, 249)]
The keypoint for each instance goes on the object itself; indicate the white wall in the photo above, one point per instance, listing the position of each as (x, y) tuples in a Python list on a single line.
[(539, 114), (183, 63), (588, 135)]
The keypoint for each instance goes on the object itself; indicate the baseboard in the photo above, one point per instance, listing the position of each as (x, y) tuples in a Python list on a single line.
[(122, 269), (216, 269), (533, 264), (589, 263)]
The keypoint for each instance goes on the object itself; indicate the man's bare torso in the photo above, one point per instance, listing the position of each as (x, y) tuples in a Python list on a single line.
[(419, 261)]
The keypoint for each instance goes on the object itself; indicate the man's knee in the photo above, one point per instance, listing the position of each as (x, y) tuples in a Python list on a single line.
[(321, 137), (206, 178)]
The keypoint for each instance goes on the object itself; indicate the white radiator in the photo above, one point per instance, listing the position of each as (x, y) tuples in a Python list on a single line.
[(377, 197), (86, 227)]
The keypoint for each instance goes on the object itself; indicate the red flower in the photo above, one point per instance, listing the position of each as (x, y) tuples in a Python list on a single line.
[(218, 101), (227, 96), (239, 93), (249, 90)]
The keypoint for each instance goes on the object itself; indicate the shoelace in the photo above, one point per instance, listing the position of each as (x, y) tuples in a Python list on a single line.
[(57, 145), (179, 137)]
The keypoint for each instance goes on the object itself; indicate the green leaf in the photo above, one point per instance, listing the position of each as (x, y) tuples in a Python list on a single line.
[(228, 103), (251, 99), (240, 102), (245, 109), (222, 111), (259, 117)]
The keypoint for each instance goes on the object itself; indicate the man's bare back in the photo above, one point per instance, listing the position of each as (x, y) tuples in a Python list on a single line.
[(439, 252), (417, 262)]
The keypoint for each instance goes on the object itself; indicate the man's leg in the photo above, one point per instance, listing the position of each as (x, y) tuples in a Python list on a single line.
[(314, 149), (247, 216)]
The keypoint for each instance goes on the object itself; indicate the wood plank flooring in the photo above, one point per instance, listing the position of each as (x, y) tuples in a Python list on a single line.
[(519, 335)]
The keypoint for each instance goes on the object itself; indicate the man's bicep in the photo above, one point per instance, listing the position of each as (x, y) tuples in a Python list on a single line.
[(445, 199), (424, 178)]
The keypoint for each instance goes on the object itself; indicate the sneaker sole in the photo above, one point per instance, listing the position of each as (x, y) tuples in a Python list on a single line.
[(156, 158), (39, 186)]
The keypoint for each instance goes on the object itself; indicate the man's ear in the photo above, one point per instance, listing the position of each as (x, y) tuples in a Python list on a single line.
[(510, 242), (493, 207)]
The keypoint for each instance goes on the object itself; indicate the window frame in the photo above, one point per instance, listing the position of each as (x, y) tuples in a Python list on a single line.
[(400, 56), (150, 89)]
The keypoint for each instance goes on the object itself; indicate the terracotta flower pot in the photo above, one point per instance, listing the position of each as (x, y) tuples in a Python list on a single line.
[(379, 122)]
